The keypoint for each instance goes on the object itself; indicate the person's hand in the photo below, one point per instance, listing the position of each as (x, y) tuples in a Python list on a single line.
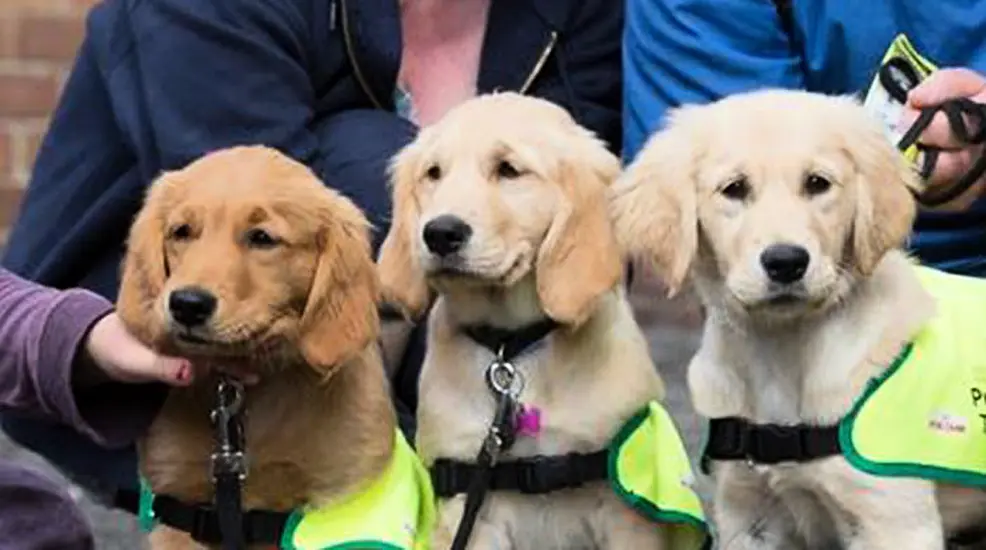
[(122, 358), (955, 158)]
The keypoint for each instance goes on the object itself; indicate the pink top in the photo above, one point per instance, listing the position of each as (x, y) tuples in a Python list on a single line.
[(442, 45)]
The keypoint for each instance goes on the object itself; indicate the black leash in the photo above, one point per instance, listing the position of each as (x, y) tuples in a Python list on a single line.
[(506, 385), (229, 467), (898, 78), (502, 378)]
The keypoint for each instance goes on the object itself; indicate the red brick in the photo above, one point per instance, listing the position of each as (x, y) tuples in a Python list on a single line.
[(53, 38), (10, 199), (9, 27), (28, 145), (27, 95), (35, 6), (6, 154)]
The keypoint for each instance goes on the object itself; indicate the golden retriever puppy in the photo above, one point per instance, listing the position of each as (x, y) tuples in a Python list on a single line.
[(500, 209), (787, 211), (244, 259)]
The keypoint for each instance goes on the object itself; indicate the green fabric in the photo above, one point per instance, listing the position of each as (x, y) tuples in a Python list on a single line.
[(145, 510), (395, 512), (926, 415), (649, 469)]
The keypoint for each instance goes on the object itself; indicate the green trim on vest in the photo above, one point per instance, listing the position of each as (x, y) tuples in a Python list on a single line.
[(925, 416), (650, 471)]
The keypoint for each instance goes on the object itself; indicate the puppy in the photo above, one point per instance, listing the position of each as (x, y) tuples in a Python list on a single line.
[(244, 259), (787, 211), (500, 210)]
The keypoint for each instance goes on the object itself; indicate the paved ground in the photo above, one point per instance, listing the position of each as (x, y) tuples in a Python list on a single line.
[(671, 327)]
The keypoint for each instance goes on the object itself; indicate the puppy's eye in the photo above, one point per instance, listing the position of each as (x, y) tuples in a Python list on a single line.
[(258, 238), (507, 170), (816, 185), (737, 190), (434, 173), (181, 232)]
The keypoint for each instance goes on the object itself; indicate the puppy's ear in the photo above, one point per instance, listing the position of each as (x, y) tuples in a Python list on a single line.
[(885, 206), (340, 318), (579, 260), (654, 208), (401, 277), (144, 265)]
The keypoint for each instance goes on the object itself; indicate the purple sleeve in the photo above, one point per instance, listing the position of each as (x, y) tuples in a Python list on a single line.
[(36, 513), (41, 331)]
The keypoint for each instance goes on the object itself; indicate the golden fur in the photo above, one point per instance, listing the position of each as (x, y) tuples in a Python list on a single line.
[(301, 313), (800, 360), (531, 185)]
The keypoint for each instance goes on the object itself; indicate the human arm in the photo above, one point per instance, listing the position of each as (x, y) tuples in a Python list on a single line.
[(677, 52), (61, 351)]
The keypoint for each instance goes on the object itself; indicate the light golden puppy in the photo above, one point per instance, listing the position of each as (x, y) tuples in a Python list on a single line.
[(500, 208), (245, 259), (787, 211)]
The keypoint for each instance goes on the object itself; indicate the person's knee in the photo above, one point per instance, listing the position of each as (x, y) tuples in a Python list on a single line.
[(97, 470)]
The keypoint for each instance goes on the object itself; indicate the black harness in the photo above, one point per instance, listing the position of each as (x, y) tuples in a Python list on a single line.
[(535, 475), (734, 438), (223, 521)]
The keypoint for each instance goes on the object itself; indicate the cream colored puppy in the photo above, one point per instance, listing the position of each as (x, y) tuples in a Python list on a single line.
[(501, 209), (787, 211)]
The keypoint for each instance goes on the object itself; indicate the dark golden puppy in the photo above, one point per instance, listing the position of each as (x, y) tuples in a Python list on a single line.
[(245, 259)]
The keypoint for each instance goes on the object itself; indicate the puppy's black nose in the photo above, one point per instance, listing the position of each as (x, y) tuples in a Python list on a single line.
[(785, 263), (446, 234), (191, 306)]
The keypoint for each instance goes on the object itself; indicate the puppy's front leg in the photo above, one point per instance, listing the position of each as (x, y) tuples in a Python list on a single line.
[(748, 516), (485, 534), (884, 512)]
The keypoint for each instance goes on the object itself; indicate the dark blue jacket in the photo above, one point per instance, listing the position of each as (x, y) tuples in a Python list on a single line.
[(158, 83)]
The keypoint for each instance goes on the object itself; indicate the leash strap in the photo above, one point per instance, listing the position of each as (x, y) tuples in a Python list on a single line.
[(229, 467), (966, 119), (506, 384), (537, 475), (499, 438), (734, 438)]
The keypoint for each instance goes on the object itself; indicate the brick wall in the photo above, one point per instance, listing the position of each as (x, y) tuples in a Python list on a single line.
[(38, 39)]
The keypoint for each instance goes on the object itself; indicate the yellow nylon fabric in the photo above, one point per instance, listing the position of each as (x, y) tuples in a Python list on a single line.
[(926, 416), (396, 512), (650, 470)]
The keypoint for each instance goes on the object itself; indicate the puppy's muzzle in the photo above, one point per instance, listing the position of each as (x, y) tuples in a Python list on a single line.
[(785, 263), (191, 306), (446, 235)]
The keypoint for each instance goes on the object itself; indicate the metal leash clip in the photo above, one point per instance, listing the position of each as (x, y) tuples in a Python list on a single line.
[(506, 383), (229, 457)]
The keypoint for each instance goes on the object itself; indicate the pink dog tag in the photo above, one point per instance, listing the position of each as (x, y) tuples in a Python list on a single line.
[(529, 421)]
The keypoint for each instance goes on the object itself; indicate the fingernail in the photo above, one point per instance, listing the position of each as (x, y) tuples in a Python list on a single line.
[(184, 373)]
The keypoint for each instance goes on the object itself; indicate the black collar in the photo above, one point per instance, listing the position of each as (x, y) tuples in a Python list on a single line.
[(513, 342)]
